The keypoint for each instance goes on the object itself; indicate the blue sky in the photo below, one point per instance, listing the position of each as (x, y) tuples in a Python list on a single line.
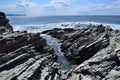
[(61, 7)]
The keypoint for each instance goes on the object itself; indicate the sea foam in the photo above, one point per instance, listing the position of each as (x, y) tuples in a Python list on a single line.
[(42, 27)]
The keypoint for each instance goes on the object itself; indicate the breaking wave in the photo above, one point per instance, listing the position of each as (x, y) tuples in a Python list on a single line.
[(42, 27)]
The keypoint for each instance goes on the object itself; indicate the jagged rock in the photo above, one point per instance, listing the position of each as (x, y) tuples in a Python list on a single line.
[(4, 25), (94, 49), (23, 55), (80, 45), (18, 48), (27, 56)]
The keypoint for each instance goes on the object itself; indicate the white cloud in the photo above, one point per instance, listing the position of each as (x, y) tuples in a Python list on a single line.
[(94, 7), (99, 9), (26, 3), (21, 6), (58, 3), (54, 7), (60, 7), (29, 8), (117, 2)]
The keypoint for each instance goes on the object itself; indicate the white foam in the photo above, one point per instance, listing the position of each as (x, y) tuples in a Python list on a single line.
[(114, 26), (33, 28), (42, 27)]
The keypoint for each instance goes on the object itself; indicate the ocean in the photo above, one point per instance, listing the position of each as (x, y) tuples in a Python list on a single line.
[(38, 24)]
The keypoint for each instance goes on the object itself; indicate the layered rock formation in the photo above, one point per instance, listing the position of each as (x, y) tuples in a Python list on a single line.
[(94, 49), (25, 56), (4, 24)]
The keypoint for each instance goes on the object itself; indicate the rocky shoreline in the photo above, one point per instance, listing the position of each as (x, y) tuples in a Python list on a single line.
[(93, 51)]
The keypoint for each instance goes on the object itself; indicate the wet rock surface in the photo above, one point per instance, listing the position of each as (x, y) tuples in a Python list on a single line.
[(94, 49)]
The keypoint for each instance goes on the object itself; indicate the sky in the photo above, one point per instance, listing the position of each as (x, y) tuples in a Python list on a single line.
[(60, 7)]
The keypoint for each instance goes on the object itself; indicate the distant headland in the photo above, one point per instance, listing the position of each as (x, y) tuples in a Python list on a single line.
[(15, 14)]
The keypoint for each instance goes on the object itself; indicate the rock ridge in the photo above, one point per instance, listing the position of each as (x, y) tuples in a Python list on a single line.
[(94, 49), (24, 56)]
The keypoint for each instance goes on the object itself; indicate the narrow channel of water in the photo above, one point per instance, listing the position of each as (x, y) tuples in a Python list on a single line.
[(53, 42)]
